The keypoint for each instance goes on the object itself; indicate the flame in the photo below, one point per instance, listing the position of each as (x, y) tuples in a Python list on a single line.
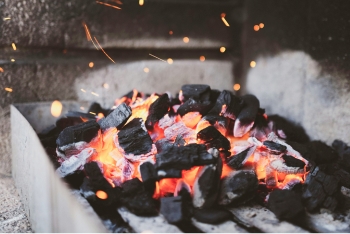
[(101, 194), (56, 108)]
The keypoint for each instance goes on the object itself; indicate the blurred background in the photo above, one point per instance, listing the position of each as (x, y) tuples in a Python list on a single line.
[(293, 55)]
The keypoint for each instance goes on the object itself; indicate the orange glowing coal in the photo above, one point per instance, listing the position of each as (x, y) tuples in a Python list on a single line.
[(101, 194), (56, 108)]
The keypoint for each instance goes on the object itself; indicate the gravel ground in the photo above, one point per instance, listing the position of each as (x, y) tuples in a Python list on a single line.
[(12, 215)]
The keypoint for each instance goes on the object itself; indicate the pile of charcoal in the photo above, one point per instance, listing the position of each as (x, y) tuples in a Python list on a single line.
[(194, 155)]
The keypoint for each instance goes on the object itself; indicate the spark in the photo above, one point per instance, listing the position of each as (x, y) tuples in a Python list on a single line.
[(103, 50), (146, 69), (261, 25), (157, 58), (256, 28), (8, 89), (170, 61), (56, 108), (91, 64), (93, 113), (109, 5), (12, 60), (252, 64), (14, 46), (101, 194), (186, 39), (83, 90), (93, 93), (171, 32), (82, 108), (222, 49), (1, 69), (87, 32), (141, 2), (106, 86), (237, 87), (7, 18), (224, 20), (202, 58)]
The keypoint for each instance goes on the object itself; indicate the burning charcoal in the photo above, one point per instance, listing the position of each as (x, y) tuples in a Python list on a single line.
[(237, 187), (176, 157), (76, 162), (212, 215), (344, 154), (280, 166), (132, 186), (336, 170), (227, 105), (237, 161), (180, 129), (285, 204), (192, 105), (157, 110), (175, 209), (206, 185), (213, 138), (195, 91), (181, 185), (271, 177), (246, 117), (322, 152), (290, 161), (274, 148), (77, 114), (149, 176), (134, 138), (319, 186), (81, 132), (65, 122), (288, 130), (260, 129), (179, 141), (218, 121), (203, 156), (96, 179), (169, 173), (130, 97), (117, 118), (141, 204)]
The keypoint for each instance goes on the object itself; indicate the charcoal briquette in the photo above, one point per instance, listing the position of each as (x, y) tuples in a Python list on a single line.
[(141, 204), (322, 152), (212, 215), (80, 132), (291, 161), (117, 118), (195, 91), (246, 117), (285, 204), (157, 110), (132, 187), (134, 138), (149, 176), (237, 161), (191, 105), (228, 105), (212, 138), (274, 148)]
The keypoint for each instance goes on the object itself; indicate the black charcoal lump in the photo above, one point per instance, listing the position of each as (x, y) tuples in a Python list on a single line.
[(237, 161), (116, 118), (80, 132), (274, 147), (213, 215), (228, 105), (149, 176), (285, 204), (238, 187), (213, 138), (134, 138), (291, 161), (191, 105), (157, 110), (195, 91), (177, 209)]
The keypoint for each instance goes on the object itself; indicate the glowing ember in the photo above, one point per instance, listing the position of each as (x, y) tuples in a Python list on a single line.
[(7, 18), (261, 25), (95, 94), (146, 69), (14, 46), (141, 2), (202, 58), (223, 15), (101, 194), (109, 5), (186, 39), (105, 85), (236, 87), (256, 28), (170, 61), (1, 69), (252, 64), (171, 32), (12, 60), (83, 90), (222, 49), (56, 108), (8, 89), (91, 64), (103, 50)]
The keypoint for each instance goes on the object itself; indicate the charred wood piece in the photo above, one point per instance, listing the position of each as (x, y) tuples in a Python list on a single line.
[(149, 176), (274, 148), (117, 118), (246, 117), (285, 204), (206, 185), (290, 161), (212, 138), (319, 187), (191, 105), (134, 138), (157, 110), (80, 132), (195, 91), (212, 215), (237, 161), (227, 105), (237, 187)]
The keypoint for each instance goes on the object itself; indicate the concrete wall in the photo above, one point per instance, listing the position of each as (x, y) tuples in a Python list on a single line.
[(302, 63)]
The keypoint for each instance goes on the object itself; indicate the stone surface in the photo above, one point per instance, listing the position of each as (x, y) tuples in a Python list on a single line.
[(12, 215)]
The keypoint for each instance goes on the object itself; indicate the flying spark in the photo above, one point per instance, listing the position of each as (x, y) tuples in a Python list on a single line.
[(93, 113), (88, 35), (170, 61), (252, 64), (237, 87), (83, 90), (202, 58), (8, 89), (91, 64), (171, 32), (14, 46), (7, 18), (224, 20), (93, 93), (186, 39), (261, 25), (141, 2), (106, 86), (1, 70), (146, 69), (56, 108), (109, 5), (12, 60), (82, 108), (157, 58), (256, 28), (103, 50), (222, 49)]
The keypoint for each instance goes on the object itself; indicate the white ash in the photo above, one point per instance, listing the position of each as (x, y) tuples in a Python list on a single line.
[(240, 129), (281, 167), (214, 152), (166, 121), (180, 129), (75, 162)]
